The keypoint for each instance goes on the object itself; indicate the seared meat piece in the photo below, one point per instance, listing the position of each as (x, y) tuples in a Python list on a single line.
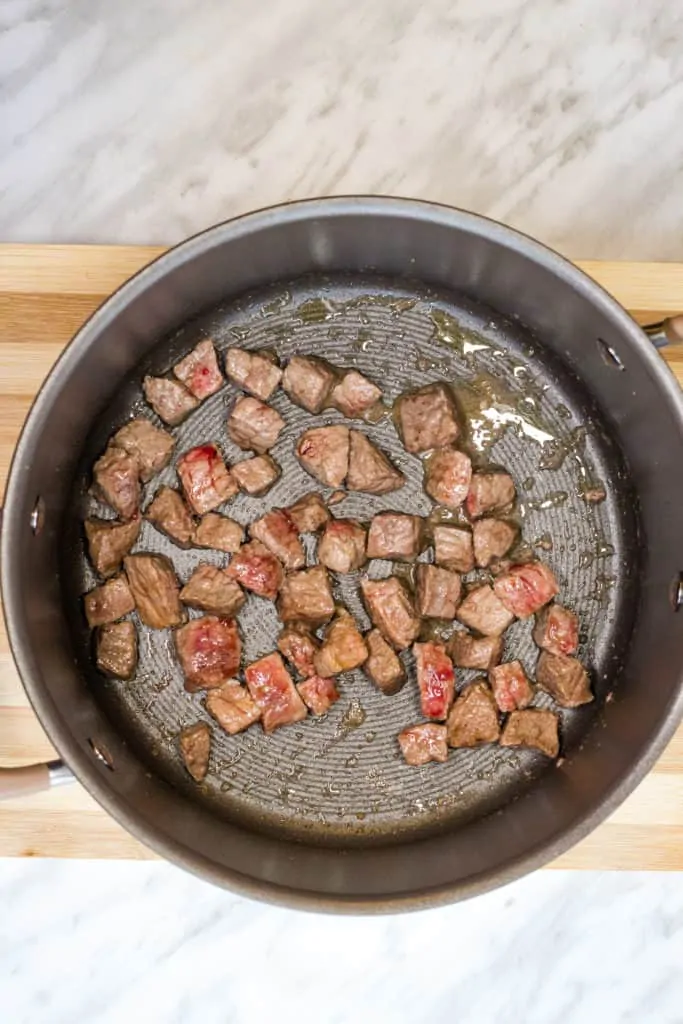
[(524, 589), (205, 478), (447, 477), (108, 542), (109, 602), (489, 492), (557, 630), (510, 686), (306, 596), (271, 687), (151, 446), (257, 569), (427, 418), (532, 728), (474, 717), (195, 747), (324, 453), (564, 678), (482, 611), (492, 538), (156, 590), (255, 372), (232, 707), (438, 592), (116, 649), (254, 426), (296, 644), (435, 679), (369, 468), (209, 651), (219, 533), (199, 371), (213, 590), (318, 694), (343, 647), (171, 401), (116, 476), (309, 513), (453, 548), (391, 610), (342, 545), (383, 666), (354, 394), (277, 530), (256, 475), (169, 514), (308, 382), (423, 743), (475, 652), (394, 535)]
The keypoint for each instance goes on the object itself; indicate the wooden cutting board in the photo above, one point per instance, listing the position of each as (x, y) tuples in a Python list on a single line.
[(45, 294)]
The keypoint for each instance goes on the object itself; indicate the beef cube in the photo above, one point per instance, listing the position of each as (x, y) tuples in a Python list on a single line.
[(435, 679), (156, 590), (427, 418), (391, 610), (257, 569), (453, 548), (209, 651), (557, 630), (169, 514), (254, 426), (271, 687), (474, 717), (482, 611), (195, 747), (109, 602), (524, 589), (342, 546), (394, 535), (369, 468), (438, 592), (116, 476), (296, 644), (306, 596), (255, 372), (324, 453), (116, 649), (277, 530), (151, 446), (489, 492), (475, 652), (343, 647), (309, 513), (205, 479), (170, 399), (257, 475), (199, 372), (213, 590), (564, 678), (383, 666), (354, 395), (532, 728), (423, 743), (308, 382), (511, 688), (318, 694), (447, 477), (219, 533), (492, 538), (109, 541), (232, 707)]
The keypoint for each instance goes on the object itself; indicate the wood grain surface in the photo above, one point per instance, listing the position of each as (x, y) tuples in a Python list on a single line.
[(46, 292)]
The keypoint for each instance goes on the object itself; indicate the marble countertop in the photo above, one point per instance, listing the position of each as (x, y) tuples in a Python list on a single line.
[(145, 122)]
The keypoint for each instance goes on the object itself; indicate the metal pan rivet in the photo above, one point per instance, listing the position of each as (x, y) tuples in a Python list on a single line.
[(37, 518), (102, 754), (609, 356), (677, 592)]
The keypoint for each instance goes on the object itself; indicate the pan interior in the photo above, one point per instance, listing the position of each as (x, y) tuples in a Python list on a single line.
[(340, 778)]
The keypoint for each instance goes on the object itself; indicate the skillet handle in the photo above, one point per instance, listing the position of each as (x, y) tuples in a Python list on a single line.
[(666, 332), (32, 778)]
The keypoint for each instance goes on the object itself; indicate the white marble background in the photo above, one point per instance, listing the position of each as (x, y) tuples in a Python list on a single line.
[(147, 120)]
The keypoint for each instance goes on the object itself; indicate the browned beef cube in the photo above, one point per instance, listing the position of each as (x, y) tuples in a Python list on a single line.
[(532, 728), (209, 651), (369, 468), (195, 747), (482, 611), (219, 533), (342, 545), (109, 602), (557, 630), (109, 541), (306, 596), (492, 538), (151, 446), (116, 476), (489, 492), (257, 475), (423, 743), (435, 680), (309, 513), (271, 687), (254, 426), (525, 589), (213, 590), (391, 610), (169, 514), (394, 535), (474, 717), (383, 666), (199, 372), (438, 592), (156, 590), (343, 647), (453, 548), (475, 652), (170, 399), (511, 688), (564, 678), (255, 372), (296, 644), (205, 478), (257, 569), (232, 707), (277, 530), (427, 418), (324, 453), (318, 694), (116, 649), (447, 476), (354, 395), (308, 382)]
